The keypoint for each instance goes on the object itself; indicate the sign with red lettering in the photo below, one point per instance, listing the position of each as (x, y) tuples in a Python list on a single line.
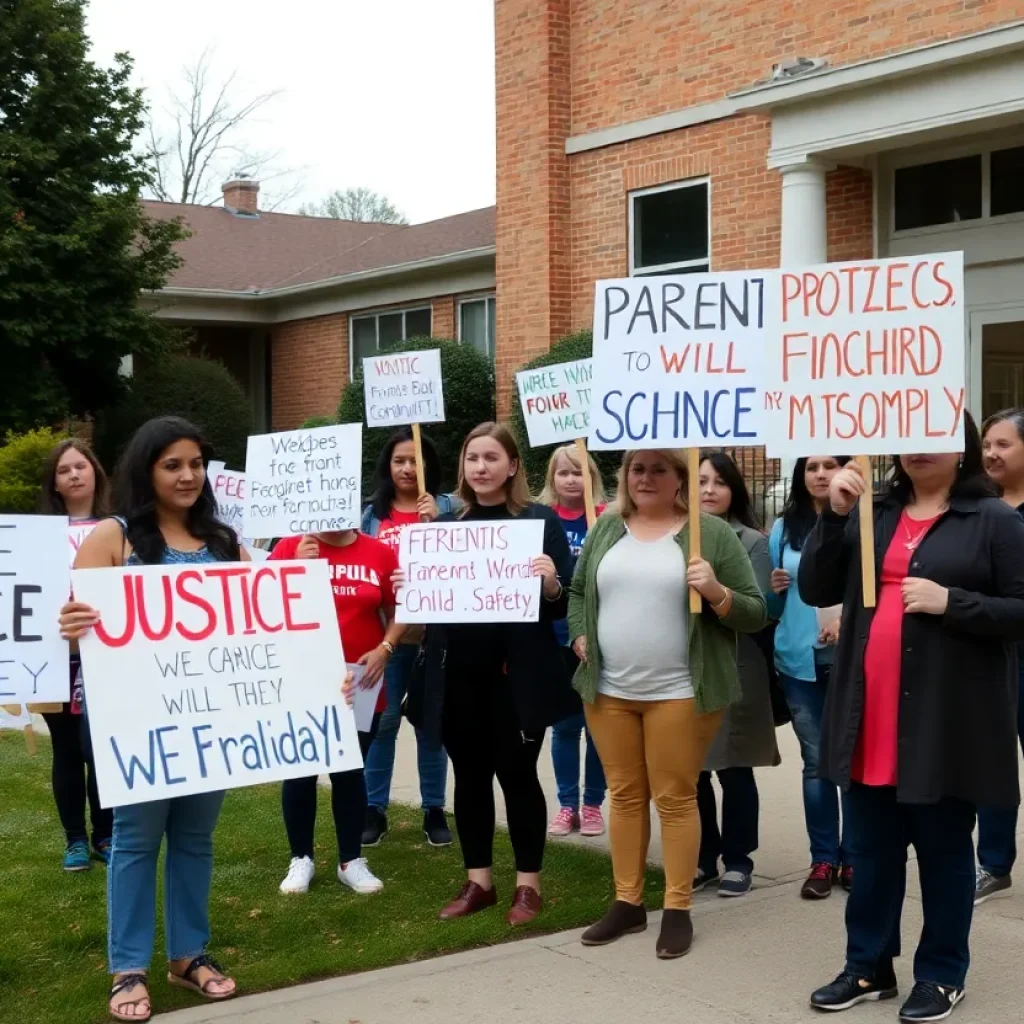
[(229, 490), (556, 402), (77, 532), (677, 361), (867, 358), (402, 388), (212, 676), (470, 571)]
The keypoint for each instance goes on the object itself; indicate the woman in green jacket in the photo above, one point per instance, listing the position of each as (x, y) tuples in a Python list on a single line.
[(655, 680)]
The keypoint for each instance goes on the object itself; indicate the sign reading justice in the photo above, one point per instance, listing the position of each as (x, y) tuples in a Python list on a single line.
[(206, 677)]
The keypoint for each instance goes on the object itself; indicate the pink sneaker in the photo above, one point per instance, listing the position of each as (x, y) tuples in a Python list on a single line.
[(566, 821), (592, 821)]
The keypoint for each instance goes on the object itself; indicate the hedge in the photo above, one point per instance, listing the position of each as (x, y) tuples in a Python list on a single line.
[(200, 390), (565, 350), (22, 461), (468, 400)]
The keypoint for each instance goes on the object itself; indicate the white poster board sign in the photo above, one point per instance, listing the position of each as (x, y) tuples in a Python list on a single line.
[(677, 361), (35, 582), (229, 491), (867, 358), (556, 402), (77, 532), (401, 388), (304, 481), (213, 676), (470, 571)]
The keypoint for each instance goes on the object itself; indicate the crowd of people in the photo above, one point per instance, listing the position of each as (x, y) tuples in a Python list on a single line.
[(907, 714)]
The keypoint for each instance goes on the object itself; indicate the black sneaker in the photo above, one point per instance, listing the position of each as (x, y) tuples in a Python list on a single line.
[(849, 990), (704, 878), (929, 1001), (376, 826), (989, 886), (435, 827)]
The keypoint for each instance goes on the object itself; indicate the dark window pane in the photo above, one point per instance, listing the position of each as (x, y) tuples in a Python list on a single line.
[(364, 340), (473, 324), (492, 311), (417, 323), (941, 193), (390, 328), (670, 226), (697, 268), (1008, 181)]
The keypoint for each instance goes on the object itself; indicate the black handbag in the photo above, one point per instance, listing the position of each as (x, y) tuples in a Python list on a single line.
[(765, 640)]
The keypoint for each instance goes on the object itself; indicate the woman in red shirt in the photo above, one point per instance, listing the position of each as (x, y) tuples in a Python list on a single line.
[(364, 598)]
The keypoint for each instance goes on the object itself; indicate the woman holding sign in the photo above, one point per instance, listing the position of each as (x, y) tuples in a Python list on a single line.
[(489, 690), (656, 680), (74, 485), (396, 504), (920, 720), (170, 517)]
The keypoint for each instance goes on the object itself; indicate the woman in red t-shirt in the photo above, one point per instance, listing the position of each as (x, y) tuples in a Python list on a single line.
[(364, 598)]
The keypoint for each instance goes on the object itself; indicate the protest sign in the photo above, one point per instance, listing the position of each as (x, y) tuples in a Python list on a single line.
[(556, 402), (677, 361), (303, 481), (35, 582), (402, 388), (213, 676), (470, 571), (229, 491), (866, 358), (77, 532)]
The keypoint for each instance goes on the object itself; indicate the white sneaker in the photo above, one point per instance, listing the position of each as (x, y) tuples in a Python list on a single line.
[(300, 874), (359, 878)]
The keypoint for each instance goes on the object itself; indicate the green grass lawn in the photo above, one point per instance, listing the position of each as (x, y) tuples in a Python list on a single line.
[(53, 926)]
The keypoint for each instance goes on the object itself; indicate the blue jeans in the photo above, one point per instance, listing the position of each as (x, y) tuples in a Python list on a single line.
[(380, 762), (188, 823), (880, 831), (806, 700), (997, 826), (565, 756)]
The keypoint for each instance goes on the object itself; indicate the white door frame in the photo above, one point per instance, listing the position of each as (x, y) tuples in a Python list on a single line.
[(995, 313)]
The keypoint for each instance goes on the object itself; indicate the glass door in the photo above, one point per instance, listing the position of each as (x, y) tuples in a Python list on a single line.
[(996, 361)]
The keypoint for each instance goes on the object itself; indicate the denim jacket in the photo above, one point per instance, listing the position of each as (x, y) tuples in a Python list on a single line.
[(371, 524)]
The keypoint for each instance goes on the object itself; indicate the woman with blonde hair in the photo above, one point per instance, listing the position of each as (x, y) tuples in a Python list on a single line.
[(564, 492), (487, 691), (656, 680)]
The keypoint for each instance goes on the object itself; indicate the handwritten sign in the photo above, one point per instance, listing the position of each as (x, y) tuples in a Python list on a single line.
[(677, 361), (35, 581), (403, 388), (229, 490), (303, 481), (556, 402), (77, 532), (470, 572), (867, 358), (206, 677)]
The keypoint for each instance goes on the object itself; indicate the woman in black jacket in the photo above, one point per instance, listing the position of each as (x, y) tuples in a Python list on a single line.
[(920, 717), (489, 690)]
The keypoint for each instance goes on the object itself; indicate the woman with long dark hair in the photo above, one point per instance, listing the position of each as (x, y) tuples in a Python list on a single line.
[(920, 720), (168, 516), (804, 653), (74, 485), (397, 503), (746, 739)]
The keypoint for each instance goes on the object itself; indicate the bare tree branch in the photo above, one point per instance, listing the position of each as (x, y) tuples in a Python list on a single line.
[(358, 204)]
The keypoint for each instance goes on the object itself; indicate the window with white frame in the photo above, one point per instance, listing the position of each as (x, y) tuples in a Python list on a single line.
[(670, 229), (369, 334), (476, 324), (960, 189)]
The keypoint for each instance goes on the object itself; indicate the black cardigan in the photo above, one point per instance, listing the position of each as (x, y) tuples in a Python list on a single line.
[(957, 729), (535, 665)]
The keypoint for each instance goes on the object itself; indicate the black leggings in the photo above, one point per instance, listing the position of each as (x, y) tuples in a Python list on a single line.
[(348, 806), (482, 736), (74, 779)]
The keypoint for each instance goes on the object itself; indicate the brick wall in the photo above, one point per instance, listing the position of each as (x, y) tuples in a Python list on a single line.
[(310, 360), (849, 197), (442, 317)]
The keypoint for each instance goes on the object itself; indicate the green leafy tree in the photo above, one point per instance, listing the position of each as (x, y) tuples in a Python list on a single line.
[(468, 379), (76, 247), (22, 461)]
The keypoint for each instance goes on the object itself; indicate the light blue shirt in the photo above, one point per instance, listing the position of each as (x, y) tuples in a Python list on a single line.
[(797, 634)]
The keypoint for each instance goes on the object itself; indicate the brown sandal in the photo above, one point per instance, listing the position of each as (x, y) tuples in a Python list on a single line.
[(122, 984), (185, 979)]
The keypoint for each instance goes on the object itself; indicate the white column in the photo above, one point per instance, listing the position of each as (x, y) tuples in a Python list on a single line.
[(804, 238)]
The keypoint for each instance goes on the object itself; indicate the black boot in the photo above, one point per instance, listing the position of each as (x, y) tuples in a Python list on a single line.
[(622, 919), (676, 934)]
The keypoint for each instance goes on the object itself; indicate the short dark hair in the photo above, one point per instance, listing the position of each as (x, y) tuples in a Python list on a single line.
[(740, 507), (384, 493), (50, 501), (136, 498), (799, 514)]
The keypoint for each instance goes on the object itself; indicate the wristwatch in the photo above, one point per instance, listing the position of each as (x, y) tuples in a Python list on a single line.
[(388, 646)]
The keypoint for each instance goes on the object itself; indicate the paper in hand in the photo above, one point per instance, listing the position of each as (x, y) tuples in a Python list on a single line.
[(364, 701)]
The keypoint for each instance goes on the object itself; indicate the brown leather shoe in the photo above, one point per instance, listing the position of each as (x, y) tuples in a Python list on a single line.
[(621, 919), (471, 898), (676, 936), (525, 907)]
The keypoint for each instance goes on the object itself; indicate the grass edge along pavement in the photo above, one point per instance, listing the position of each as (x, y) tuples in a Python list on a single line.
[(53, 926)]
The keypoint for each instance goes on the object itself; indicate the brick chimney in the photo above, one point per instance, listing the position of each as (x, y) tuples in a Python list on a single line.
[(241, 195)]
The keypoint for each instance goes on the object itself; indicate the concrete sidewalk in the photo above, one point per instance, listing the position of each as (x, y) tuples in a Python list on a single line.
[(755, 959)]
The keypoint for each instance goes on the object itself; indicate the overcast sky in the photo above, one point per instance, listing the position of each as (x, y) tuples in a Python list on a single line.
[(397, 95)]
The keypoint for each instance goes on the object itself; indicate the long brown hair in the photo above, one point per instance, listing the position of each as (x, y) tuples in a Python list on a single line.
[(50, 501), (517, 490)]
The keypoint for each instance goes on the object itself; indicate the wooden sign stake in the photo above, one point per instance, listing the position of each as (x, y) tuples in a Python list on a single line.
[(417, 441), (866, 515), (693, 501), (588, 481)]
